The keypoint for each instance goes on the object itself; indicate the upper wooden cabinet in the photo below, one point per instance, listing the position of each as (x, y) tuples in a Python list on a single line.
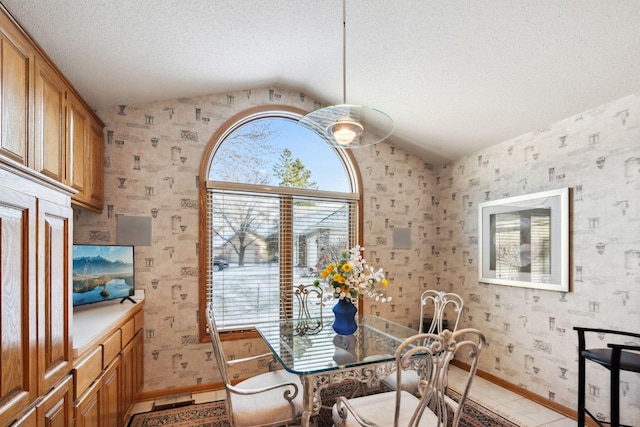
[(16, 62), (44, 124), (50, 150), (85, 139)]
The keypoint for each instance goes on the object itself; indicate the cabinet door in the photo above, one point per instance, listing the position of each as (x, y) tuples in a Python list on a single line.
[(110, 395), (15, 91), (127, 380), (138, 361), (94, 167), (29, 419), (56, 410), (54, 293), (88, 409), (50, 151), (78, 140), (17, 303)]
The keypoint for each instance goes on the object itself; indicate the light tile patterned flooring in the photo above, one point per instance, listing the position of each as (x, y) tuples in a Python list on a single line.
[(512, 406)]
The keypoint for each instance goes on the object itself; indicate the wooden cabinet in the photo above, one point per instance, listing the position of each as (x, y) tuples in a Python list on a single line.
[(94, 167), (132, 373), (43, 122), (69, 142), (108, 362), (111, 414), (98, 406), (35, 242), (50, 150), (18, 214), (54, 293), (88, 409), (86, 139), (57, 407), (16, 85)]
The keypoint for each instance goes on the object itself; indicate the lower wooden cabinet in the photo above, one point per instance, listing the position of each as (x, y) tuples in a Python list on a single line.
[(88, 409), (55, 409), (108, 368), (110, 395)]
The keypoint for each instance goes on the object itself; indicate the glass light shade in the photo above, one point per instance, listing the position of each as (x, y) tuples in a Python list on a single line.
[(349, 126), (344, 130)]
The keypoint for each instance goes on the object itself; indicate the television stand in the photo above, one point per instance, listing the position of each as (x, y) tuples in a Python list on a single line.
[(127, 298)]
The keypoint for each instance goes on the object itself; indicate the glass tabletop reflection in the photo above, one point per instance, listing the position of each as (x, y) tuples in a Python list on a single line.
[(315, 347)]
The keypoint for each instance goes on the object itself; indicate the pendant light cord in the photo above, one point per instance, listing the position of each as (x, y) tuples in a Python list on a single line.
[(344, 51)]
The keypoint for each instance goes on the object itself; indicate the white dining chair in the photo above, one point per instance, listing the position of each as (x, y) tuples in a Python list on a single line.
[(270, 399), (439, 310), (430, 355)]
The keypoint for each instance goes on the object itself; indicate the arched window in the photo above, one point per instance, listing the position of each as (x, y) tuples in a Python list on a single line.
[(275, 196)]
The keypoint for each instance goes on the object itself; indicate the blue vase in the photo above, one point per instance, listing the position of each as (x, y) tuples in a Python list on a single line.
[(345, 318)]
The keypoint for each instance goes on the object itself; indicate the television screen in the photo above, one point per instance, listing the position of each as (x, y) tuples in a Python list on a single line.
[(102, 273)]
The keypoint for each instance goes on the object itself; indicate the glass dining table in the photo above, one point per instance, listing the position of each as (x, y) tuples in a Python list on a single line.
[(322, 358)]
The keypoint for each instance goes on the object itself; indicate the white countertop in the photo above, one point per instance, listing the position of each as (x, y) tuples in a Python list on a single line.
[(92, 320)]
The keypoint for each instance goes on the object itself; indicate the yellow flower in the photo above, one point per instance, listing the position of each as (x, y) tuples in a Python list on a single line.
[(347, 268), (330, 268), (338, 278), (385, 282), (324, 273)]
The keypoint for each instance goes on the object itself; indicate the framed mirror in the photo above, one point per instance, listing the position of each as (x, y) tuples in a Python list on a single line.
[(524, 241)]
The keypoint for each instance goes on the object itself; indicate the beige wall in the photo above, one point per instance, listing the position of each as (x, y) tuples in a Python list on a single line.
[(153, 153), (532, 341), (152, 157)]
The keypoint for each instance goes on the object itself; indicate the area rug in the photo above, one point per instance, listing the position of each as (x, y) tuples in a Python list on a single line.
[(213, 414)]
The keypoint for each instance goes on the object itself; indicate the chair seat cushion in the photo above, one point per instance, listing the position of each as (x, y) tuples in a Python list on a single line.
[(410, 380), (628, 361), (380, 409), (267, 407)]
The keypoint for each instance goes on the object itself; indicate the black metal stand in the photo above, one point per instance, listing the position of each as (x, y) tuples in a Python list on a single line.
[(127, 298)]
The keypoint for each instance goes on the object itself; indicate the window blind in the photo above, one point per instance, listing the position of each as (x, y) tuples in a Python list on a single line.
[(272, 243)]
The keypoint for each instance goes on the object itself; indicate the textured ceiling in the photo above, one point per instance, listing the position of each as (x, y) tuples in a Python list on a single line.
[(456, 75)]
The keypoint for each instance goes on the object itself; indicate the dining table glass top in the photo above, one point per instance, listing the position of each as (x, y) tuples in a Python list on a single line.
[(314, 347)]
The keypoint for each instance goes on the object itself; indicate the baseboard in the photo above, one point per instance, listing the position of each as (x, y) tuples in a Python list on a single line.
[(567, 412), (169, 392)]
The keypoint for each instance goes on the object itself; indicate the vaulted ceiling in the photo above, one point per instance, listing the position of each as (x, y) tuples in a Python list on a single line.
[(456, 75)]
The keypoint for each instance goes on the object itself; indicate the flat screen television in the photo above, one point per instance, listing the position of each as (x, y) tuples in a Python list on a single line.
[(102, 273)]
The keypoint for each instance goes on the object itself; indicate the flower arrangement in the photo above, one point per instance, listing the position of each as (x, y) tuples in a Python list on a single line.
[(351, 276)]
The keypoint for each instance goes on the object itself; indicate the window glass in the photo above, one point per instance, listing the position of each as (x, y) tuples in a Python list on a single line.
[(277, 197), (255, 152)]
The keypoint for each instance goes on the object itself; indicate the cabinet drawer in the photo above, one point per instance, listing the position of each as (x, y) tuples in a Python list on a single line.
[(87, 371), (111, 348), (128, 331), (139, 318)]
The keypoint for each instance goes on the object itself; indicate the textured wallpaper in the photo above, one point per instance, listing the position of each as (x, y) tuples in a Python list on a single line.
[(152, 159), (532, 342), (152, 156)]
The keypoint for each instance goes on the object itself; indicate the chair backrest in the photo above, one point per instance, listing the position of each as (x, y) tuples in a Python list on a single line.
[(435, 304), (305, 304), (217, 346), (430, 355)]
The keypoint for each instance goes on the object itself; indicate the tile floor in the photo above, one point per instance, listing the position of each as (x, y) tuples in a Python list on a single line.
[(512, 406)]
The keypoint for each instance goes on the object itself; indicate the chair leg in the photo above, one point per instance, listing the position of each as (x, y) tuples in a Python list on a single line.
[(581, 390), (615, 387)]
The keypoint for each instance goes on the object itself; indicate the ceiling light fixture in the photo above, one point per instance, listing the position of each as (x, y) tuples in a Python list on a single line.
[(346, 125)]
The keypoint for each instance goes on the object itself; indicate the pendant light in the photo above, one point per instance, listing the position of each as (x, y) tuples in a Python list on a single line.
[(346, 125)]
